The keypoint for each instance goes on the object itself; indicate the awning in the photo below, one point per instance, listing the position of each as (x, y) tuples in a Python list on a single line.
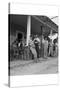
[(36, 23)]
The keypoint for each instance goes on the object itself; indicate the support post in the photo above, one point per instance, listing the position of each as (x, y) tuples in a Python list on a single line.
[(51, 35), (51, 32), (28, 29), (41, 40)]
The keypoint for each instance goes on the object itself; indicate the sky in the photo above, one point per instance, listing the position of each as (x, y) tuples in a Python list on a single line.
[(54, 19)]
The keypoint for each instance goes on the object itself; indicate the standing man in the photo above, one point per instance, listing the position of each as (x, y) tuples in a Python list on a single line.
[(42, 46), (45, 48), (36, 42), (50, 48), (32, 48), (55, 48)]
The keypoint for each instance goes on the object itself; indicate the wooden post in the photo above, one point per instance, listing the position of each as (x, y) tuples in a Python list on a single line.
[(28, 36), (41, 40), (51, 35), (28, 29), (51, 32)]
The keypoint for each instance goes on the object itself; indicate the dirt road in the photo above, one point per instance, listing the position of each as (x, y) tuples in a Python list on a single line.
[(43, 66)]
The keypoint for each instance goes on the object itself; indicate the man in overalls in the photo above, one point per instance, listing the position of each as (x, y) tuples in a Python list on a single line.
[(36, 42)]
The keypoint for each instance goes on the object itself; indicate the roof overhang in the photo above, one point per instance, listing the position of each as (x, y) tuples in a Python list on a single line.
[(36, 23)]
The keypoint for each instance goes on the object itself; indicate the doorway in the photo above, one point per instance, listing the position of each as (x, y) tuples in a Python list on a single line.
[(19, 36)]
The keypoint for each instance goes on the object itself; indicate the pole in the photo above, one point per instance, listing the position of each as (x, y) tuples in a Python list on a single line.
[(28, 29)]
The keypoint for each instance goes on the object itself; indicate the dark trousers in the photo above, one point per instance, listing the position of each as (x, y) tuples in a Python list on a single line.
[(37, 50)]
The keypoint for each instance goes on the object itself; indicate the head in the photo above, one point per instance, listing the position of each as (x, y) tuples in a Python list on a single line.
[(30, 36), (36, 36), (45, 38)]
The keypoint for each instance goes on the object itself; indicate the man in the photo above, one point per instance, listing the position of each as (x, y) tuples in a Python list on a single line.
[(50, 48), (42, 46), (56, 49), (36, 42), (45, 48), (32, 48)]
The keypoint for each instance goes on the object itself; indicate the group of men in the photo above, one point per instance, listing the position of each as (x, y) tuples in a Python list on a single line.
[(41, 46)]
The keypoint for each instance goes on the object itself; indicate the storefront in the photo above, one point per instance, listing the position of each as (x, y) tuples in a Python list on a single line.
[(22, 26)]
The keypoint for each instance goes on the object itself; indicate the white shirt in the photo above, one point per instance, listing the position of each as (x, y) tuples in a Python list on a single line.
[(31, 43), (37, 39)]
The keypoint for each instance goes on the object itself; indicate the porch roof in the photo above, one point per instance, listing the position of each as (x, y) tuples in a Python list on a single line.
[(36, 23)]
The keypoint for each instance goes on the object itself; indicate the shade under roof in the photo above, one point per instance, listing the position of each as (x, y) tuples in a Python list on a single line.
[(21, 21)]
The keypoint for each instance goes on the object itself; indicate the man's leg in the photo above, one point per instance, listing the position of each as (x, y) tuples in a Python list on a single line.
[(34, 53)]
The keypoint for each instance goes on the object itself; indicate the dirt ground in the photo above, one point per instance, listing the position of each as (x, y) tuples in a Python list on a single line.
[(29, 67)]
